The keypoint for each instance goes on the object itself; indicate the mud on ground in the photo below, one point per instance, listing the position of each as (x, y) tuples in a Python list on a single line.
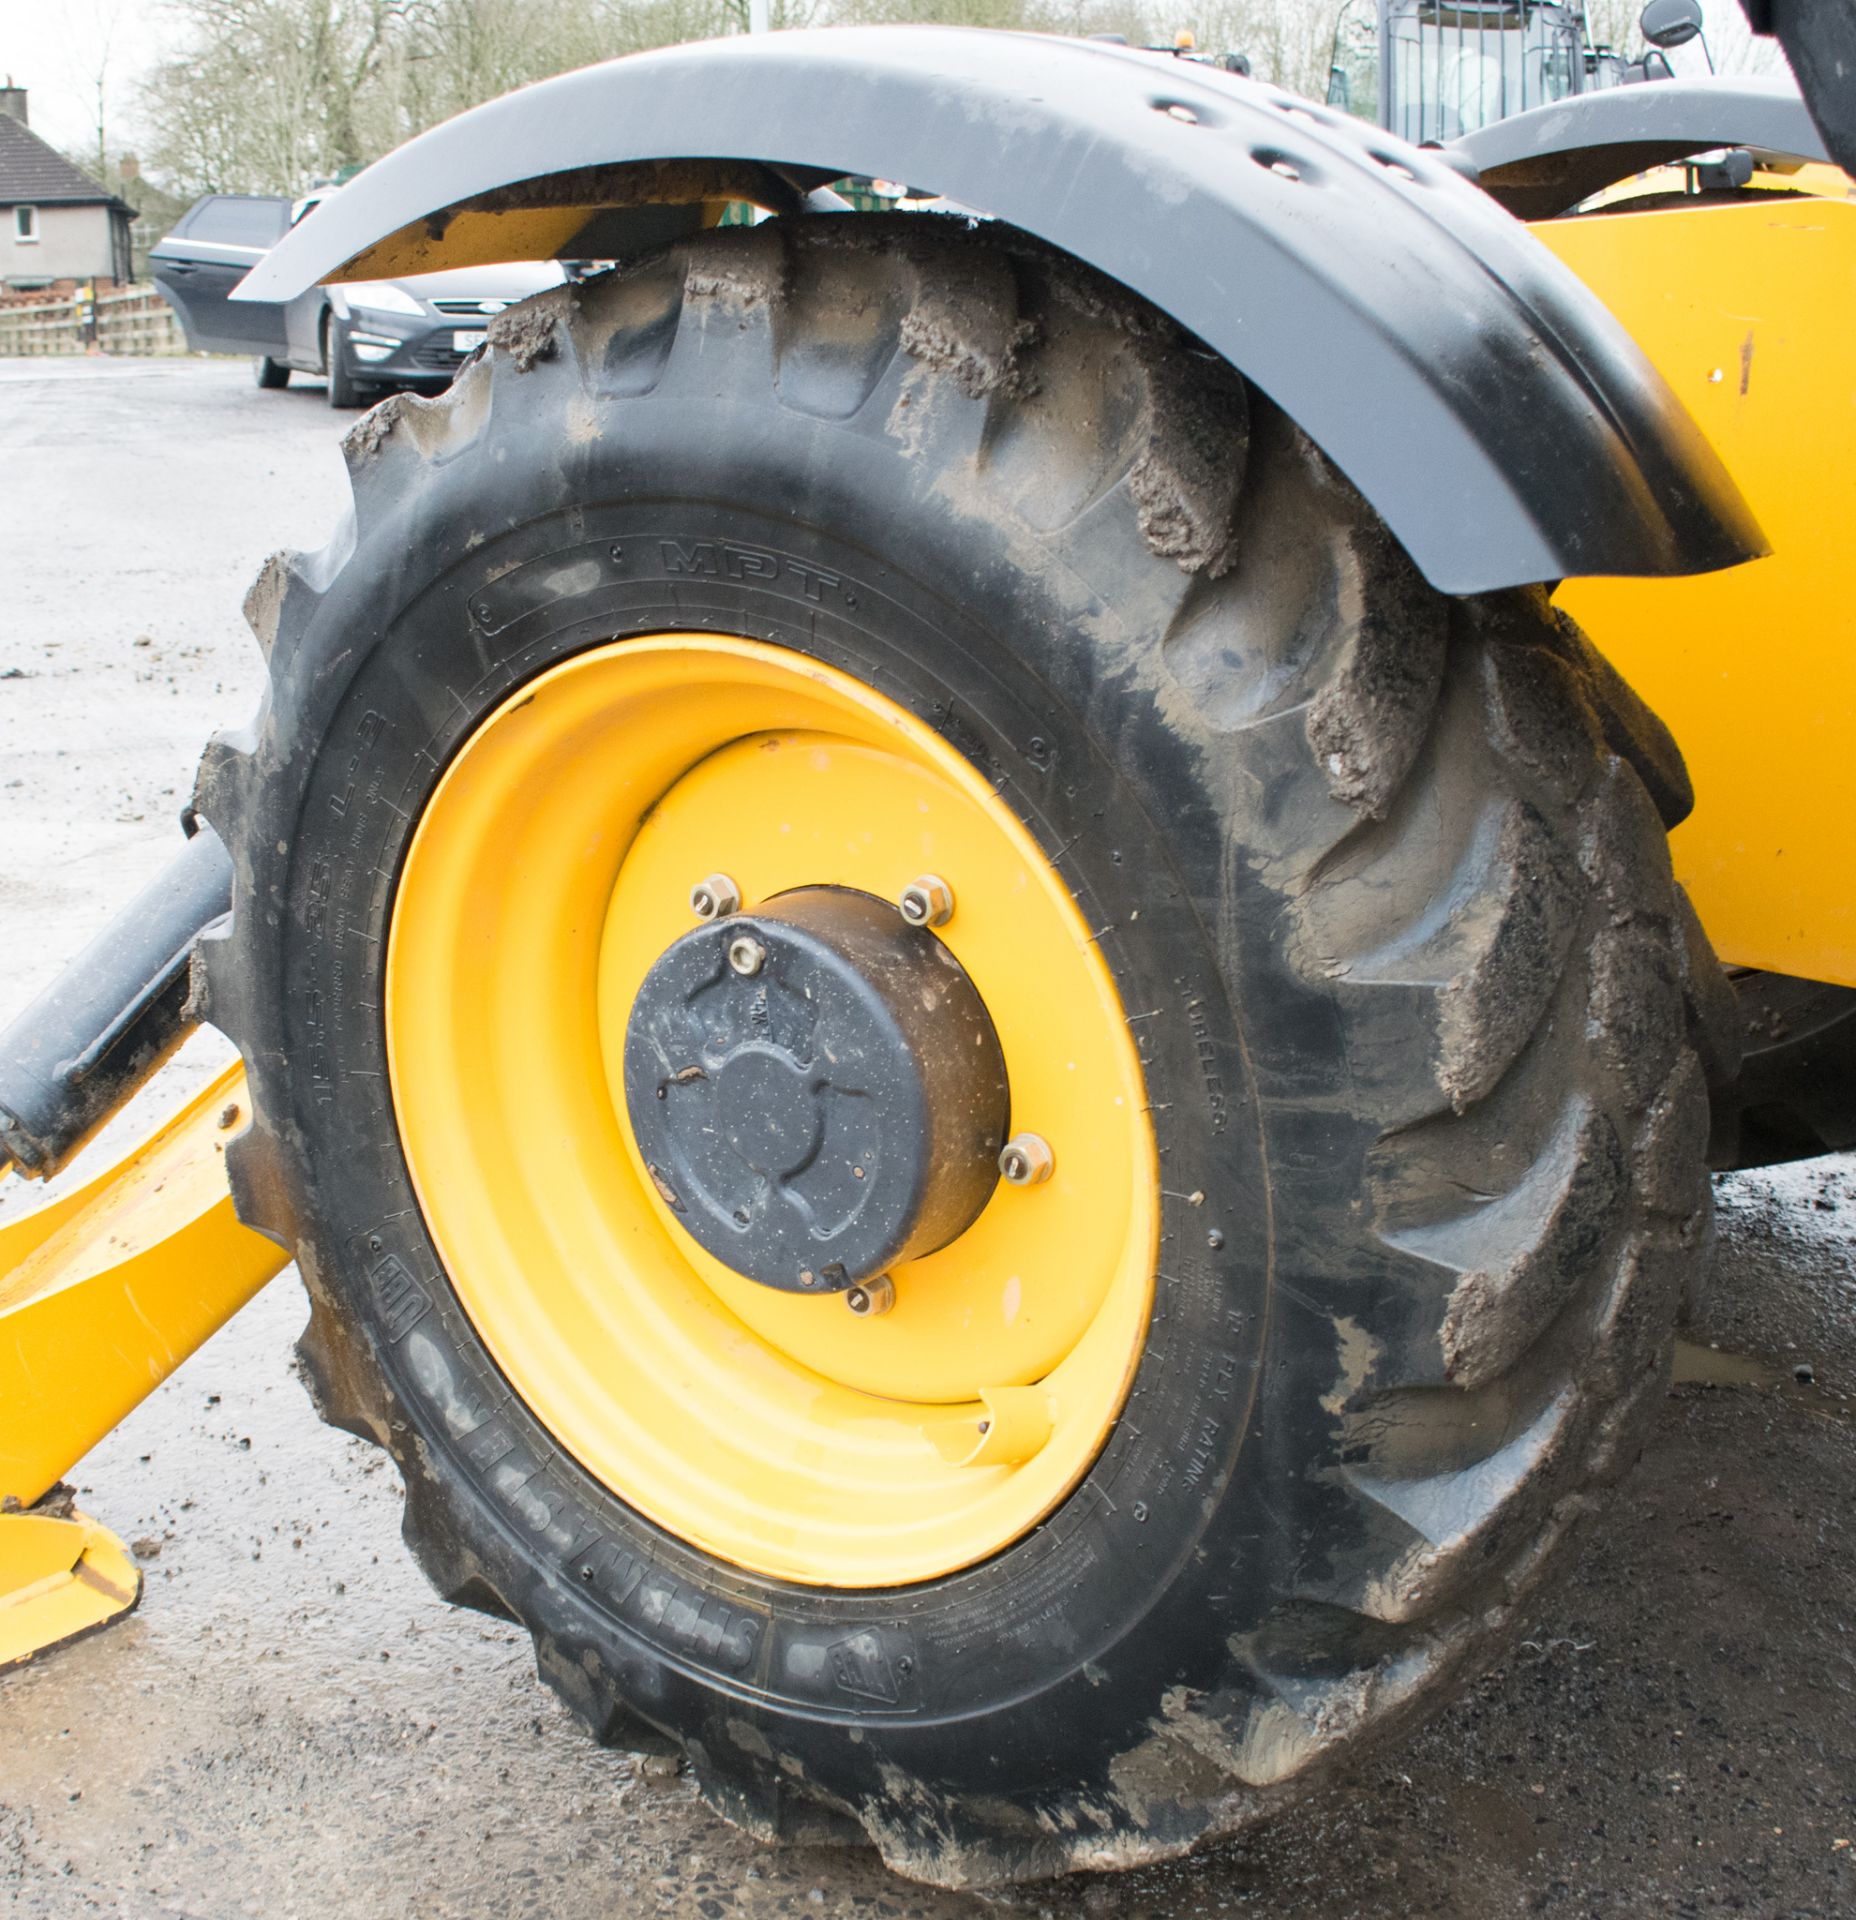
[(292, 1726)]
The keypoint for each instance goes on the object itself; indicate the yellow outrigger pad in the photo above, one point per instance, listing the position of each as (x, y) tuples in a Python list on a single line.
[(103, 1293), (59, 1580)]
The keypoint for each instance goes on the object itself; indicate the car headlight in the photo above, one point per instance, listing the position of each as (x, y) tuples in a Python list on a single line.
[(382, 296)]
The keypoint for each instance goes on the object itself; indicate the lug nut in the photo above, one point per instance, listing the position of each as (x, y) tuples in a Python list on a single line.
[(746, 955), (873, 1298), (1026, 1160), (927, 902), (715, 898)]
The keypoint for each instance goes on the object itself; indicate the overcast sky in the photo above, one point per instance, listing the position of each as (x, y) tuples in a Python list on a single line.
[(55, 49)]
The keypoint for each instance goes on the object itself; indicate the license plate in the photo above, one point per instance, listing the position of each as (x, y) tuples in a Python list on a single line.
[(463, 342)]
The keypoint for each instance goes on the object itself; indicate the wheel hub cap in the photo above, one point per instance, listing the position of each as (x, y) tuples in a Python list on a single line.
[(835, 1111)]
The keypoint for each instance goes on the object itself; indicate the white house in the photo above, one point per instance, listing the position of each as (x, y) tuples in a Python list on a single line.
[(56, 223)]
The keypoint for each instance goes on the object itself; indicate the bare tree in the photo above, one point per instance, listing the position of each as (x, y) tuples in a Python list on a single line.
[(269, 95), (1294, 44), (1734, 45), (88, 68), (1613, 24), (265, 95)]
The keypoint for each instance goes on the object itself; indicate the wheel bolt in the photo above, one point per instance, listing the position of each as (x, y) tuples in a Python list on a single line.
[(1026, 1160), (873, 1298), (715, 898), (927, 902), (746, 955)]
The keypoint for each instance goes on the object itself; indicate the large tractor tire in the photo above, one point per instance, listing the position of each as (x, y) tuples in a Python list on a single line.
[(1323, 927), (1794, 1097)]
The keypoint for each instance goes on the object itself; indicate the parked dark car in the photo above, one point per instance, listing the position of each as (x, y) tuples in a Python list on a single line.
[(362, 338)]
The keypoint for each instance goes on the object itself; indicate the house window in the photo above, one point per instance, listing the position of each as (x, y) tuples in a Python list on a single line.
[(25, 225)]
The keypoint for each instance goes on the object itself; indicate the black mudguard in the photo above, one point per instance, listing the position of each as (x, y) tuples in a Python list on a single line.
[(1480, 398), (1545, 161)]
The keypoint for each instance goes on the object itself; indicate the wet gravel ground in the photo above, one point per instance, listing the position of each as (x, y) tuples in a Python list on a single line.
[(292, 1726)]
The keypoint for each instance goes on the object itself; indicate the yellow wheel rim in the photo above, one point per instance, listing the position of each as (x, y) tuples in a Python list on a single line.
[(551, 867)]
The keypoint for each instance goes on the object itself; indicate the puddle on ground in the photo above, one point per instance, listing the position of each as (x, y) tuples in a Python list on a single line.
[(1709, 1367)]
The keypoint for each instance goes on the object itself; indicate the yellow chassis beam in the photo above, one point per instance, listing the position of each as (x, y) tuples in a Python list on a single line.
[(103, 1293)]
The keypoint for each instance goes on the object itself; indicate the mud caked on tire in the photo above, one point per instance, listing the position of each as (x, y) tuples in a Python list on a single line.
[(1425, 1025)]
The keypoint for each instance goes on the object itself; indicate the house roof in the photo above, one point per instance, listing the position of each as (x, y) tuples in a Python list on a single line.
[(32, 173)]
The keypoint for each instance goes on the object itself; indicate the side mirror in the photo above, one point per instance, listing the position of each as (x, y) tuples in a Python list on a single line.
[(1671, 23)]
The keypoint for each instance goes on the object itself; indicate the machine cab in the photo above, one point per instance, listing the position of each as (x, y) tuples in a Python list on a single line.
[(1431, 70)]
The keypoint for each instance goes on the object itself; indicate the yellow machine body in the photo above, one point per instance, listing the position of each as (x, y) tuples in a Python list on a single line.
[(1744, 309)]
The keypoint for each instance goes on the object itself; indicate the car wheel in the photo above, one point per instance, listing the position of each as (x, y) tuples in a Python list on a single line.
[(345, 391)]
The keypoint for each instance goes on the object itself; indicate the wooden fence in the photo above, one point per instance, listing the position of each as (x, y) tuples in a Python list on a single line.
[(135, 321)]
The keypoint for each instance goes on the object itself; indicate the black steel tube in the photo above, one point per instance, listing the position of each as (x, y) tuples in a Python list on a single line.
[(104, 1025)]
